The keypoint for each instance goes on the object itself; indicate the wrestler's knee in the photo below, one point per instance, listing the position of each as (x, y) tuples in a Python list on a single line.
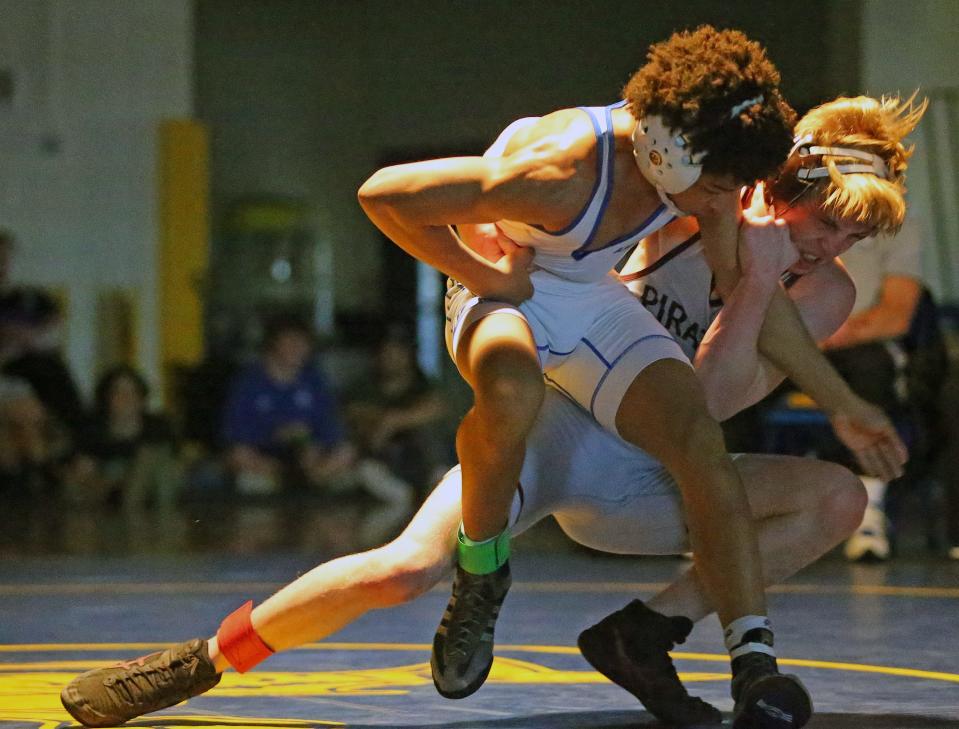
[(843, 503), (509, 392), (698, 447), (406, 575)]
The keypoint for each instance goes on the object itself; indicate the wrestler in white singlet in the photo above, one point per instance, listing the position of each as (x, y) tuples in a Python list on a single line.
[(577, 302)]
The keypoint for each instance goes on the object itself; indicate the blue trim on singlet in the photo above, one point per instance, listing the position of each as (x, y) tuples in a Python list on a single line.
[(599, 385), (589, 344), (599, 178), (579, 254), (553, 351), (607, 139), (656, 213)]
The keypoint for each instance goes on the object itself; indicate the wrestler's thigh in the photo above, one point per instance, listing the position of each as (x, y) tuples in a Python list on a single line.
[(664, 412), (651, 524), (497, 345), (475, 327), (621, 344)]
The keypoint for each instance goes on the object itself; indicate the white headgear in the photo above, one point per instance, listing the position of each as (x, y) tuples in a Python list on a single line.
[(804, 148), (662, 156)]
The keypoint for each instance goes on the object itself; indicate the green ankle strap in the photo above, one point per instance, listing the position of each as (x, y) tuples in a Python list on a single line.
[(482, 558)]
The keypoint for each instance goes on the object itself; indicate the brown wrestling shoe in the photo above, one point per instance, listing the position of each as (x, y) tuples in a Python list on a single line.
[(113, 695), (631, 648)]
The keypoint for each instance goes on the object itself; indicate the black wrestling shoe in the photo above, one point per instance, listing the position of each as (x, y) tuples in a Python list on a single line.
[(111, 696), (766, 698), (463, 645), (631, 648)]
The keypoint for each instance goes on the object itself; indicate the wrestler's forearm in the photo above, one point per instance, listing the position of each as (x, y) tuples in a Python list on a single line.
[(414, 205), (720, 239), (432, 244), (728, 361), (786, 343)]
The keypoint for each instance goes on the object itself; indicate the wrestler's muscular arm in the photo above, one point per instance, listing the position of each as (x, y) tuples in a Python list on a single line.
[(733, 372), (539, 182), (788, 348)]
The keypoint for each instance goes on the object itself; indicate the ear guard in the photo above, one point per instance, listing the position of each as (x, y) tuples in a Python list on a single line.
[(662, 156)]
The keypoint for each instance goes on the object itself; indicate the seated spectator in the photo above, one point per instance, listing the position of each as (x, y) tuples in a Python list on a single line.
[(124, 453), (29, 350), (889, 353), (948, 464), (397, 415), (30, 445), (282, 430)]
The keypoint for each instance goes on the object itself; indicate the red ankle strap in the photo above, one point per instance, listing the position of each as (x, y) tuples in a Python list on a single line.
[(238, 641)]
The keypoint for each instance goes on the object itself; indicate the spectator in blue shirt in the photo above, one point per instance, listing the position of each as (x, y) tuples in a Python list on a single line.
[(280, 423), (281, 427)]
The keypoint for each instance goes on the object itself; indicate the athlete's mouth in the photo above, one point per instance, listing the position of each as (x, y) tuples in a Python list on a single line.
[(810, 258)]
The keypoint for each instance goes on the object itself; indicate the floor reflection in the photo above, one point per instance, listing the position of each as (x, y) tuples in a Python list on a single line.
[(311, 526)]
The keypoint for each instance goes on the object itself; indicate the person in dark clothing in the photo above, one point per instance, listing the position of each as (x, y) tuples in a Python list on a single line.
[(29, 320), (124, 453), (397, 415), (281, 426)]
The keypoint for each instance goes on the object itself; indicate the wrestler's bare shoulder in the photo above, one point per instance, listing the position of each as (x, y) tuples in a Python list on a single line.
[(564, 138)]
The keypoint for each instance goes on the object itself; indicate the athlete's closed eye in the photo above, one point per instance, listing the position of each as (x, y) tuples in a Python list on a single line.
[(828, 223)]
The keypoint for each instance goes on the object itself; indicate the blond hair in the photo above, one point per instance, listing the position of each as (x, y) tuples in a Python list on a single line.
[(871, 125)]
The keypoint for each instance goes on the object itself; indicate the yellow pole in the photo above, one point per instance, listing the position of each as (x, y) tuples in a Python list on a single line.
[(184, 215)]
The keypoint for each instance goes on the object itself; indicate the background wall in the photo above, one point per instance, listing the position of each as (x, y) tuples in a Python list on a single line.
[(78, 149), (306, 99), (909, 46)]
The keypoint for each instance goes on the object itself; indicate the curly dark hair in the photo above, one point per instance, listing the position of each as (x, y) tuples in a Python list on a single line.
[(694, 80)]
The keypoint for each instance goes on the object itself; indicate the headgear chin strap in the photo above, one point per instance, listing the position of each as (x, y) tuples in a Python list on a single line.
[(667, 201), (663, 158), (803, 148)]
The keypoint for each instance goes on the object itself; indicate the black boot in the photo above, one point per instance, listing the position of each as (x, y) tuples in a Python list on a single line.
[(766, 698), (631, 648)]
